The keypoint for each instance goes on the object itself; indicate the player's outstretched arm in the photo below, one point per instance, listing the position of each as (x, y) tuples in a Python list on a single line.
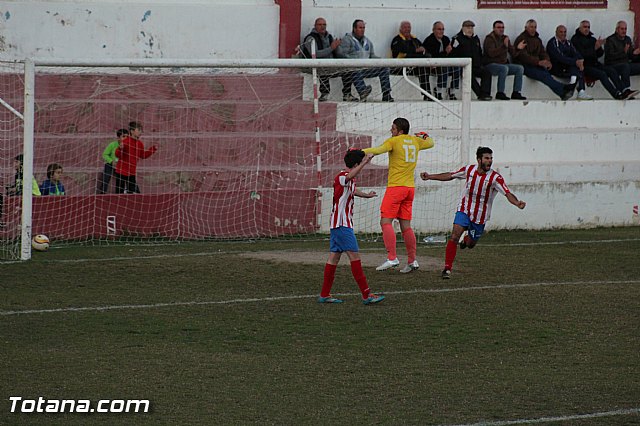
[(369, 194), (354, 172), (444, 177), (514, 200)]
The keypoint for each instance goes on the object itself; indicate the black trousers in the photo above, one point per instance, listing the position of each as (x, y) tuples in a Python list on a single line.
[(126, 184)]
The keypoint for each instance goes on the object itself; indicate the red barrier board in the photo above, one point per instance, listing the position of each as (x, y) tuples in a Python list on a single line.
[(196, 215)]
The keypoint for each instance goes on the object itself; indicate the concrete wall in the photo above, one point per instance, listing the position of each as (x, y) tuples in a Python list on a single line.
[(220, 29), (383, 22), (577, 164)]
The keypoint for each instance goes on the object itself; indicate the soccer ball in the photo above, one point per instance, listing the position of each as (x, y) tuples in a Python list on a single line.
[(40, 243)]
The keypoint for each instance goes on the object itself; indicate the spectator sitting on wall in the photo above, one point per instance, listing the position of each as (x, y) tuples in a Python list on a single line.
[(497, 48), (53, 185), (326, 47), (621, 55), (356, 45), (566, 60), (438, 45), (16, 188), (532, 56), (406, 45), (591, 49), (467, 45)]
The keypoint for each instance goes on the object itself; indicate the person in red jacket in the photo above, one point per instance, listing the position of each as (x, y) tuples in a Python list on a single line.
[(131, 149)]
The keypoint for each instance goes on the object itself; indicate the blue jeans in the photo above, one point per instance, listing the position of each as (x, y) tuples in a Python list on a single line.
[(502, 71), (544, 76), (382, 73)]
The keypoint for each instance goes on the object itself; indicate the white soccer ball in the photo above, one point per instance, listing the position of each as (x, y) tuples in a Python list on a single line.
[(40, 243)]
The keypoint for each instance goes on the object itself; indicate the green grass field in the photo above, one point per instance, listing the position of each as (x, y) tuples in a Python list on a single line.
[(531, 325)]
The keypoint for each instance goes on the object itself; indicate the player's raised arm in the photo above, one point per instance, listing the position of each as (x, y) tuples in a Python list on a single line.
[(514, 200), (354, 171), (369, 194), (437, 176), (381, 149)]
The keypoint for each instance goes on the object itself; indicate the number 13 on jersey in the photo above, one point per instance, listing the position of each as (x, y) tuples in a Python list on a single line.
[(410, 153)]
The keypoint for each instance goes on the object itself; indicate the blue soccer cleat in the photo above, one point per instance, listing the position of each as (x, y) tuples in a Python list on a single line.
[(373, 298), (328, 299)]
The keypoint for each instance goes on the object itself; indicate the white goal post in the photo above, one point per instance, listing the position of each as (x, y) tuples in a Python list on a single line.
[(351, 121)]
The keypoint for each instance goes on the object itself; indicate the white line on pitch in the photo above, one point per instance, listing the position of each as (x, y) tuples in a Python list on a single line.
[(308, 296), (213, 253), (623, 412)]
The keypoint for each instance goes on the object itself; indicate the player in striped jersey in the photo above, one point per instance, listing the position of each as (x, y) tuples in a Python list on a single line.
[(397, 203), (342, 237), (474, 209)]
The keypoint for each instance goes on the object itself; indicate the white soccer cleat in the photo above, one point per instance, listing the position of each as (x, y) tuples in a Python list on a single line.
[(388, 264), (410, 267)]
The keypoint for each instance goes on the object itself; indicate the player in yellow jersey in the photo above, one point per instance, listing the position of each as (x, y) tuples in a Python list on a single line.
[(398, 199)]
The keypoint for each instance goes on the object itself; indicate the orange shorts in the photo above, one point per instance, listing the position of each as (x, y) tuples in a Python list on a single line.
[(397, 203)]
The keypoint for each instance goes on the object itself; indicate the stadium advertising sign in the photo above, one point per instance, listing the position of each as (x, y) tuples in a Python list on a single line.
[(542, 4)]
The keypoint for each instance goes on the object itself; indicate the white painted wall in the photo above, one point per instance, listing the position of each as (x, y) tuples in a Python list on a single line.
[(220, 29), (577, 164), (383, 22)]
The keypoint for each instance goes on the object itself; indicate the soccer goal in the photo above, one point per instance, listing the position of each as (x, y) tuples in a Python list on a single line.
[(245, 149)]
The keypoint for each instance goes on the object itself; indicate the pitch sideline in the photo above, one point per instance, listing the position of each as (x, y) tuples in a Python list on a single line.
[(623, 412), (309, 296)]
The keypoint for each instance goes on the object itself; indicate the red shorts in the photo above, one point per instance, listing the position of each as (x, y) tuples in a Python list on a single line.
[(397, 203)]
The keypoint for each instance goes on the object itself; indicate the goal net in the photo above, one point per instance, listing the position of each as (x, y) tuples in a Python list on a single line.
[(225, 150)]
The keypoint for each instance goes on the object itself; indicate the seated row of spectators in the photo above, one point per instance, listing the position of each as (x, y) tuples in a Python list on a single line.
[(354, 45), (577, 59), (52, 185)]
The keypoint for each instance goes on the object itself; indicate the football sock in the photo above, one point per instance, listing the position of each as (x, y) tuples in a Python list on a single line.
[(358, 274), (450, 254), (410, 244), (467, 241), (329, 274), (389, 237)]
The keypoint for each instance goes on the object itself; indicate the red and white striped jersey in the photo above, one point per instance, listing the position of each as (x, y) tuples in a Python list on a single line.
[(343, 194), (479, 192)]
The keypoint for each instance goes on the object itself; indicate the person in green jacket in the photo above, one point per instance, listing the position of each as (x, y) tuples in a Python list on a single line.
[(110, 160)]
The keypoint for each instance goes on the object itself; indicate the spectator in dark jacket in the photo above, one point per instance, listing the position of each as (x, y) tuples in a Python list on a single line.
[(467, 45), (326, 46), (567, 61), (497, 47), (406, 45), (532, 56), (591, 49), (438, 45), (621, 55)]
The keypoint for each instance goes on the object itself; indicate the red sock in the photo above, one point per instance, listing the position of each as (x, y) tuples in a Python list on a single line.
[(358, 274), (329, 274), (389, 238), (410, 244), (467, 241), (450, 254)]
